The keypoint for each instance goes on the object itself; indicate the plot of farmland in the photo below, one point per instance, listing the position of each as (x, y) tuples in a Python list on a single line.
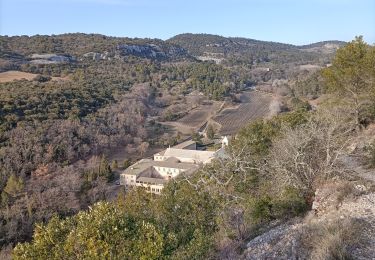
[(254, 105), (195, 119)]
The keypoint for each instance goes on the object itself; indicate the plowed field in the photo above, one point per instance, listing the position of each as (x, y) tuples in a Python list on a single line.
[(254, 105)]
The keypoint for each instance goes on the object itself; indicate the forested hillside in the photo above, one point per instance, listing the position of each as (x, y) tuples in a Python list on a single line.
[(92, 94), (248, 51), (257, 202)]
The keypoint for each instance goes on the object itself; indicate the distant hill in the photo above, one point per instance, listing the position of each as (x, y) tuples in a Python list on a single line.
[(73, 47), (245, 50), (323, 44), (94, 46), (198, 44), (240, 53)]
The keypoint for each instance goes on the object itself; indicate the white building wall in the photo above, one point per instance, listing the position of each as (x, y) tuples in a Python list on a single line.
[(167, 172), (128, 179)]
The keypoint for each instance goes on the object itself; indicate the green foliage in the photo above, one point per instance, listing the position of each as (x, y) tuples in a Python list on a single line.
[(215, 81), (14, 185), (262, 209), (196, 137), (292, 119), (348, 68), (114, 165), (105, 169), (372, 155), (187, 211), (242, 51), (197, 248), (210, 132), (138, 204), (256, 137), (126, 163), (311, 86), (298, 104), (290, 203), (287, 204), (41, 78), (351, 75), (179, 223), (103, 232)]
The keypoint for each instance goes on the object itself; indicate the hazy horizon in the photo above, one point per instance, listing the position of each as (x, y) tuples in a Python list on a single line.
[(288, 21)]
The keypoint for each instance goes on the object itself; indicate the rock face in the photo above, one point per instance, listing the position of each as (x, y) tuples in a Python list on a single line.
[(148, 51), (50, 58), (152, 51), (278, 243), (335, 205), (97, 56)]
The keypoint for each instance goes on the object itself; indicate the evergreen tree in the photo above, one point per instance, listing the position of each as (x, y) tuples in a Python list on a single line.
[(352, 74), (210, 132)]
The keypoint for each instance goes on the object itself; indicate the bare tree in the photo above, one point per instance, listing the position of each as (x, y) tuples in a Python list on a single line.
[(142, 148), (310, 152)]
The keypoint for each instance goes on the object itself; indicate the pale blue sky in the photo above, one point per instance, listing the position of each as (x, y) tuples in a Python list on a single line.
[(289, 21)]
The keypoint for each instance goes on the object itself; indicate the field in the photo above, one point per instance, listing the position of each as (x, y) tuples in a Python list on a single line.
[(18, 75), (195, 119), (254, 105)]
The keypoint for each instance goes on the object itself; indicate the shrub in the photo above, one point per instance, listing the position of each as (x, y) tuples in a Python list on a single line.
[(41, 78), (332, 240), (262, 210), (372, 155), (291, 203)]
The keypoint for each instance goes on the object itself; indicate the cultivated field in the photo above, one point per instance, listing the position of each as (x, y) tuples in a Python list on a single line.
[(18, 75), (195, 119), (254, 105)]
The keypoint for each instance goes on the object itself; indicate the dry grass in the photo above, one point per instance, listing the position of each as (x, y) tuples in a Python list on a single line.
[(334, 239), (6, 252), (11, 75)]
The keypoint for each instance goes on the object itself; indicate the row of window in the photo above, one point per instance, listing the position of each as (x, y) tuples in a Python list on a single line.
[(162, 169)]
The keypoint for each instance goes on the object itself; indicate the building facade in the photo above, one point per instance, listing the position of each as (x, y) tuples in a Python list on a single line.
[(154, 173)]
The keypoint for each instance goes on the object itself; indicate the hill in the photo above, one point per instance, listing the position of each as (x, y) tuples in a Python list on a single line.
[(250, 51), (76, 46), (57, 137)]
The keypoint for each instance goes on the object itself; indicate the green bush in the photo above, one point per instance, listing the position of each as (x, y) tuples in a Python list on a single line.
[(287, 204), (262, 210), (290, 203), (372, 156)]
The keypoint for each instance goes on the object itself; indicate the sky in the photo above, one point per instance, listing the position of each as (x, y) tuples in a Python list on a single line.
[(288, 21)]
